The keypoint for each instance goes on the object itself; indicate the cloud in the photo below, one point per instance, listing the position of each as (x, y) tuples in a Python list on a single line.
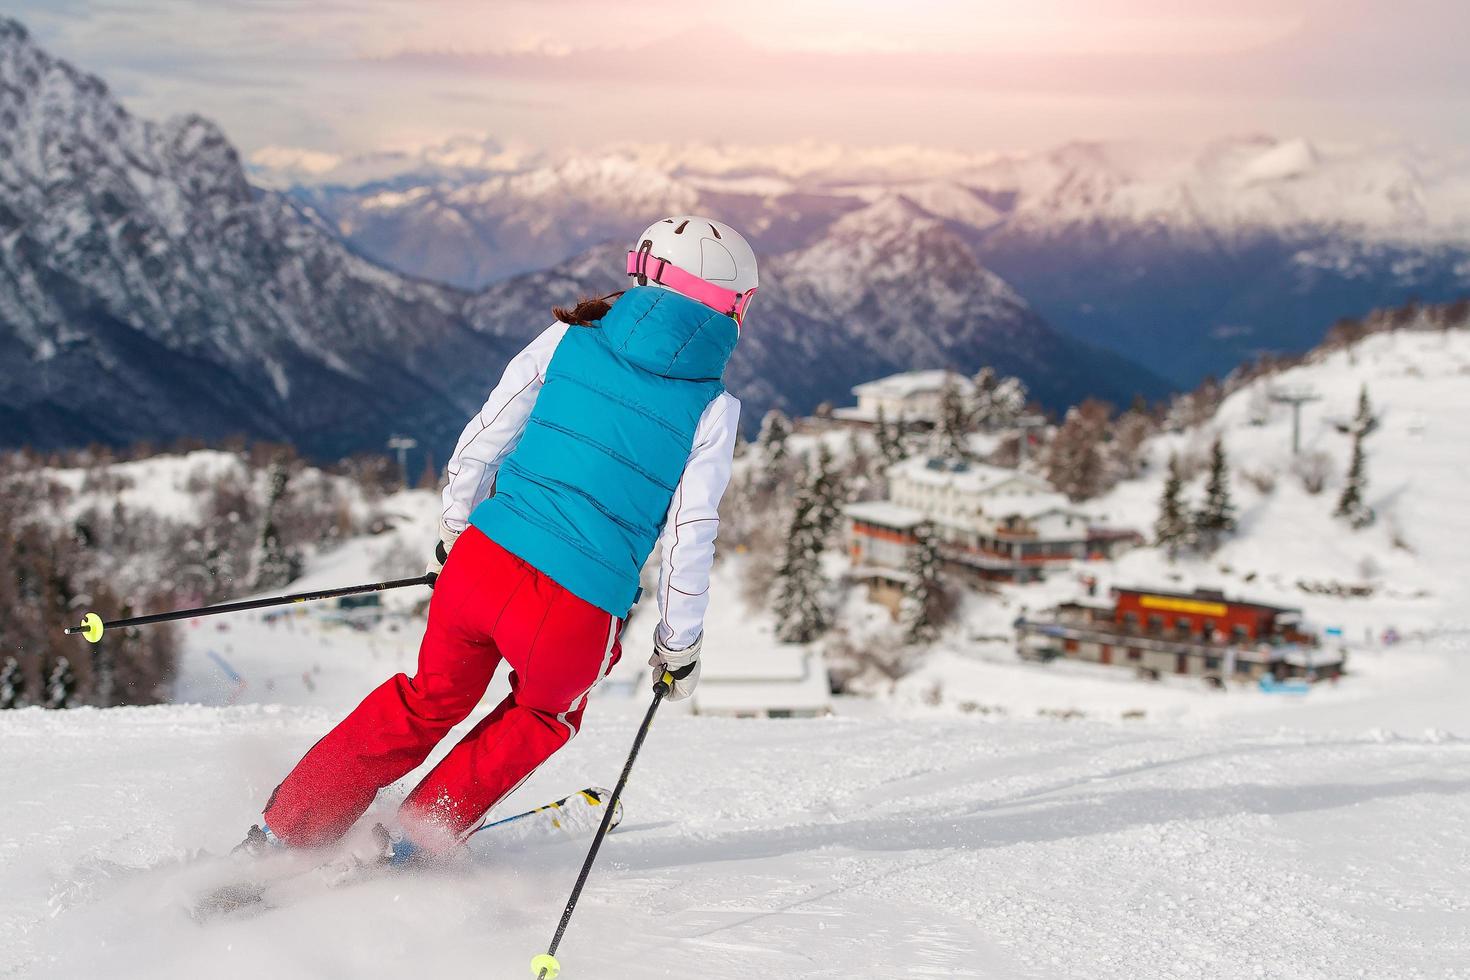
[(950, 72), (1309, 61)]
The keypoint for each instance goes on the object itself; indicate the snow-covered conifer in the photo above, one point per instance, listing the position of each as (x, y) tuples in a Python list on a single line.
[(922, 594), (775, 429), (61, 684), (1351, 505), (1216, 518), (1171, 530), (1364, 421), (890, 439), (798, 585), (275, 564), (997, 401), (12, 684), (827, 494), (952, 429)]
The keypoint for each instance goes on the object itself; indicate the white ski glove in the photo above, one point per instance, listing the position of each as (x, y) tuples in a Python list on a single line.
[(682, 665), (447, 538)]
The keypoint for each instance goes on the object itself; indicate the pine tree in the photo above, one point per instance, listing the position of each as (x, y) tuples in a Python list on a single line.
[(1171, 530), (827, 494), (922, 593), (998, 402), (1364, 421), (1351, 504), (890, 440), (275, 564), (775, 429), (12, 684), (61, 684), (800, 616), (950, 442), (1216, 518)]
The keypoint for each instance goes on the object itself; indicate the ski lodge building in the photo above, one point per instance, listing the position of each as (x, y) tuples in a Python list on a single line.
[(913, 396), (1202, 634), (993, 524), (774, 682)]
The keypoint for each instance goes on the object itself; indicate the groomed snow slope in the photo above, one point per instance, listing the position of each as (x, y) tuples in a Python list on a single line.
[(1300, 842)]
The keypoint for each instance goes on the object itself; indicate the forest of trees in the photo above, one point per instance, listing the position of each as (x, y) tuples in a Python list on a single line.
[(68, 547)]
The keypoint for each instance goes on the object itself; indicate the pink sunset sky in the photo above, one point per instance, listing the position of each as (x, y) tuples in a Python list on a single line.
[(352, 75)]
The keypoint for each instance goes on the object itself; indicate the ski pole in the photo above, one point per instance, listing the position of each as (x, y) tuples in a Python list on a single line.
[(545, 965), (92, 626)]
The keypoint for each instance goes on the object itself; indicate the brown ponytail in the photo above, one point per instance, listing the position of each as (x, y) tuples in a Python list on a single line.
[(587, 311)]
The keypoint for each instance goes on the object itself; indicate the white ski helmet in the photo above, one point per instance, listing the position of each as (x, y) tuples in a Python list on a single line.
[(701, 258)]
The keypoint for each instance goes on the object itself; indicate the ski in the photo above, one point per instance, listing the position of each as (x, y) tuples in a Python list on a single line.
[(277, 878), (574, 815)]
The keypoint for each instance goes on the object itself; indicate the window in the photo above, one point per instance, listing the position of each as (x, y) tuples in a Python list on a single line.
[(1130, 620), (1184, 626), (1134, 653), (1239, 633), (1156, 624)]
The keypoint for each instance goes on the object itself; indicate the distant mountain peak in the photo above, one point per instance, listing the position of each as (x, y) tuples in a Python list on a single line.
[(137, 255), (1285, 160)]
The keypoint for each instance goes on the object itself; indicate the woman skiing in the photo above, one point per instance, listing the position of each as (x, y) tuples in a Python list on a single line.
[(609, 433)]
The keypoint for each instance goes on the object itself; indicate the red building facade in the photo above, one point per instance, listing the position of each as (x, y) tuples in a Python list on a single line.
[(1203, 615)]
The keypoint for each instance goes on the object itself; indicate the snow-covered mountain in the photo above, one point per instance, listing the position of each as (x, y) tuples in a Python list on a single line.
[(1187, 258), (887, 288), (147, 291), (1236, 248)]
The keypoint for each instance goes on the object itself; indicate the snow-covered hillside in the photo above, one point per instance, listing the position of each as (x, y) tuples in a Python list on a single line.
[(1408, 574), (991, 819), (1415, 558)]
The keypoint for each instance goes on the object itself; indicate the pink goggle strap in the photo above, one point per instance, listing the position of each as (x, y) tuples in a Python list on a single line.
[(665, 273)]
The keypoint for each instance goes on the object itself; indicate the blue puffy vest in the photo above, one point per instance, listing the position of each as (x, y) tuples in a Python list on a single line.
[(584, 495)]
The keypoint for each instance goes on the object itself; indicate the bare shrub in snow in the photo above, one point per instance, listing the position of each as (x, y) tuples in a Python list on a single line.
[(868, 664), (400, 560), (1397, 538), (1074, 462), (1263, 481), (1314, 469)]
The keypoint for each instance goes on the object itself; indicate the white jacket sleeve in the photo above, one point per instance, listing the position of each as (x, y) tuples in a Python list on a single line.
[(493, 433), (688, 539)]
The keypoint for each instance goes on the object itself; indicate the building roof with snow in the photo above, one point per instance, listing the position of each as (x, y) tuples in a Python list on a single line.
[(885, 513), (980, 479), (775, 680), (910, 383)]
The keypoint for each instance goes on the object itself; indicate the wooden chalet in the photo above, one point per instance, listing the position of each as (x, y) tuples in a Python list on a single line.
[(1201, 633)]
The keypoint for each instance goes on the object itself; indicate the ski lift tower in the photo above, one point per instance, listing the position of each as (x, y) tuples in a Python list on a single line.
[(1296, 398), (401, 445)]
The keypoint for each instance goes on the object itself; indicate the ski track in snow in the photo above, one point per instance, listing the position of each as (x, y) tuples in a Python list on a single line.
[(871, 845)]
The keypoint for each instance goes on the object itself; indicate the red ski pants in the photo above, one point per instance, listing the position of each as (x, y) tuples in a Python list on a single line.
[(488, 605)]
